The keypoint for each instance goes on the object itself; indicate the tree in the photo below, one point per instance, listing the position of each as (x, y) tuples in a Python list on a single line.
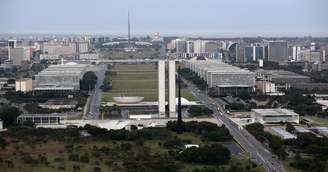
[(88, 81), (213, 154), (8, 115), (290, 128), (3, 143)]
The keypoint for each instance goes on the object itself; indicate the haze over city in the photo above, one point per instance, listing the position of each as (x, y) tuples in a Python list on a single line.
[(164, 86), (169, 17)]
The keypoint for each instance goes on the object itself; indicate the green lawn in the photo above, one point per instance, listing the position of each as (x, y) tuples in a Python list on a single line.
[(322, 121), (137, 80)]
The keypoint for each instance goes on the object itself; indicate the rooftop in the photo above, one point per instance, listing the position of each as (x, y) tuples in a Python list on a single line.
[(283, 133), (275, 112), (280, 74), (215, 66)]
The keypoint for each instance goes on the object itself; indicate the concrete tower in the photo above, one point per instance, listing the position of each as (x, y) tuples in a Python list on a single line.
[(129, 34), (324, 56), (161, 88), (172, 103)]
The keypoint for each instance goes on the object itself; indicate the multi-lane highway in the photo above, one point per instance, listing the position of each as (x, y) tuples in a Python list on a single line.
[(258, 152), (96, 94)]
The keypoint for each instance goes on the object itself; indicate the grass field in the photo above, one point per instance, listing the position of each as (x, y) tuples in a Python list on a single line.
[(57, 155), (136, 80), (318, 120)]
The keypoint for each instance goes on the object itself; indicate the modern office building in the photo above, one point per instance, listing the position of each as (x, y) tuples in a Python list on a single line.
[(24, 85), (271, 116), (12, 43), (161, 88), (190, 47), (89, 56), (253, 53), (282, 79), (61, 77), (172, 91), (240, 53), (227, 79), (19, 54), (211, 47), (278, 51), (59, 48), (181, 46), (41, 119), (82, 47)]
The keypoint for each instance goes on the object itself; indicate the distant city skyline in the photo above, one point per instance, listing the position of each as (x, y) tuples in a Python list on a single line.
[(170, 17)]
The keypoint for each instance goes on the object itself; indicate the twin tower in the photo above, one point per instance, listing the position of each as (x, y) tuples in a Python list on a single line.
[(162, 88)]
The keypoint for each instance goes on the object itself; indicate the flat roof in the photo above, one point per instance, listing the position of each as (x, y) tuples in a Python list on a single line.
[(275, 112), (280, 74), (283, 133), (43, 115), (215, 66)]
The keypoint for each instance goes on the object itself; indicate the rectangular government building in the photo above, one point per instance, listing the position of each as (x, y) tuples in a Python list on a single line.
[(271, 116), (64, 77), (227, 79)]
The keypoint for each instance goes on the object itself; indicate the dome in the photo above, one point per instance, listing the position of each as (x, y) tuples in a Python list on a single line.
[(71, 63), (128, 100)]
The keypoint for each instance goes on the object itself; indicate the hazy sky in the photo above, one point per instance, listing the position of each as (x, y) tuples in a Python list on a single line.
[(181, 17)]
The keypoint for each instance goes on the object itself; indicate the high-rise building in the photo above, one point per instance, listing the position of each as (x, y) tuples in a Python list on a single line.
[(172, 91), (23, 85), (190, 47), (181, 46), (277, 51), (254, 53), (211, 47), (18, 55), (240, 53), (12, 43), (199, 46), (82, 47), (296, 52), (161, 88)]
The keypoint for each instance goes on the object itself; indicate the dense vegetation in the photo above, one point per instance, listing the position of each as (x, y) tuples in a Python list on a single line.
[(8, 115), (208, 131), (88, 81), (309, 152), (196, 111), (300, 103), (274, 142), (148, 149), (193, 77)]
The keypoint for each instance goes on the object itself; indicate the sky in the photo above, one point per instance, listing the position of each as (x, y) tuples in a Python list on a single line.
[(169, 17)]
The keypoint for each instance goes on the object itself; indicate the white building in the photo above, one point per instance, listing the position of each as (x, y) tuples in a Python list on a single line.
[(61, 77), (89, 56), (59, 48), (82, 47), (227, 79), (172, 90), (269, 116), (49, 57), (24, 85), (161, 88), (266, 87)]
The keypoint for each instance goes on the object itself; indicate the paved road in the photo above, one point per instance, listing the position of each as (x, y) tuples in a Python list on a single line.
[(95, 97), (258, 152)]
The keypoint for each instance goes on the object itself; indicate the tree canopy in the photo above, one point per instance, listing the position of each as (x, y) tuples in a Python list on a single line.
[(88, 81)]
